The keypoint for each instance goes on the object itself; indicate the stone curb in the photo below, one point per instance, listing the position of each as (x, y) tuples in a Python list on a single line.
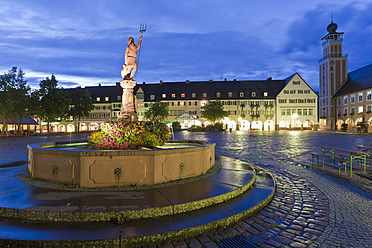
[(32, 215), (147, 239)]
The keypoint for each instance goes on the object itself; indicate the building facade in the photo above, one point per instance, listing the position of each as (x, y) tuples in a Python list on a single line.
[(354, 99), (332, 74)]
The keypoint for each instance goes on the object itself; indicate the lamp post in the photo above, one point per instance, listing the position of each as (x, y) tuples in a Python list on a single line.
[(294, 117)]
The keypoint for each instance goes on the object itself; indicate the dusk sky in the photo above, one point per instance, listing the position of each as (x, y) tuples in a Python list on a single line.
[(83, 42)]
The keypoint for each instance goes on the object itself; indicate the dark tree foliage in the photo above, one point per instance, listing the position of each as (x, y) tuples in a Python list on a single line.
[(213, 111), (53, 101), (80, 104), (157, 112), (14, 97)]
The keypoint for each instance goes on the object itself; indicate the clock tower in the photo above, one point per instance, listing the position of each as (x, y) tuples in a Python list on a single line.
[(332, 74)]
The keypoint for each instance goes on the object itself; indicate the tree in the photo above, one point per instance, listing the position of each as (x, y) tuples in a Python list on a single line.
[(14, 100), (157, 112), (53, 102), (213, 111), (81, 103)]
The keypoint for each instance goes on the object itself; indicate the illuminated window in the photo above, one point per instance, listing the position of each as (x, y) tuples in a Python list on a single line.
[(173, 95), (265, 93), (360, 109), (107, 98), (183, 95), (163, 95)]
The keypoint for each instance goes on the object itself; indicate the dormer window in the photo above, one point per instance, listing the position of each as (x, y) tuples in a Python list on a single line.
[(218, 94), (163, 95), (241, 94), (183, 95), (173, 95), (152, 97), (193, 94), (107, 98), (204, 94), (229, 94), (98, 99), (253, 94), (265, 93)]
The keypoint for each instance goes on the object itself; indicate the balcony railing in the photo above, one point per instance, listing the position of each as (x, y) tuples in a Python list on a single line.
[(328, 56)]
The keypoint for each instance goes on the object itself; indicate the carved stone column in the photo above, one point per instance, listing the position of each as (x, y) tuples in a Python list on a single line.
[(128, 112)]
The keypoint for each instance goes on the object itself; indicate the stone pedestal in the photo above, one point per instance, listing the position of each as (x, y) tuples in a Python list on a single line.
[(128, 112)]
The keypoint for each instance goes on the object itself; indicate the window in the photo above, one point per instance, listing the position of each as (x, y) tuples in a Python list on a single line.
[(369, 95), (152, 97), (163, 95), (286, 92), (194, 112), (301, 100), (360, 109), (339, 101), (345, 111), (360, 97), (304, 111), (183, 95), (288, 111), (265, 93), (146, 105), (345, 100), (229, 94), (107, 98), (173, 95), (307, 91), (140, 96), (310, 111), (292, 92), (283, 111), (218, 94), (369, 108), (352, 110), (193, 94), (241, 94), (338, 112), (294, 111), (292, 100), (299, 111), (204, 94), (232, 112), (296, 82), (119, 98), (253, 94), (352, 99), (300, 91), (310, 100), (98, 98), (282, 100)]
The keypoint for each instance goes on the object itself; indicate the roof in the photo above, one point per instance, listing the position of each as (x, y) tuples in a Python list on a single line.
[(272, 87), (27, 121), (105, 91), (357, 80)]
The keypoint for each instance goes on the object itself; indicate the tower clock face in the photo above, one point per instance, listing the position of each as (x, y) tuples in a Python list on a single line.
[(331, 62)]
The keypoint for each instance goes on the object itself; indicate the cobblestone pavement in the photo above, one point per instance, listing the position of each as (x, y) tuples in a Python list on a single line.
[(310, 209)]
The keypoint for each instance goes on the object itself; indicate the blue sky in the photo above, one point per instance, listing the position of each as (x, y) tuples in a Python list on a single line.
[(83, 41)]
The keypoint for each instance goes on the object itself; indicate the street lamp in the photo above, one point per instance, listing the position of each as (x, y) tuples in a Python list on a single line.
[(294, 117)]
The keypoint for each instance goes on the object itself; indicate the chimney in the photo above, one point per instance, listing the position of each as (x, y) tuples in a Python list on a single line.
[(161, 82), (269, 79), (144, 83), (99, 85), (211, 80), (234, 79), (225, 79), (188, 81)]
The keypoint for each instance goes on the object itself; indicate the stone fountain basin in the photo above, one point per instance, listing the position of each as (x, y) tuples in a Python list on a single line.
[(73, 162)]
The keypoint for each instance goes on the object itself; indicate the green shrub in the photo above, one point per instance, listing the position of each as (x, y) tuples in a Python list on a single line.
[(176, 126), (344, 127)]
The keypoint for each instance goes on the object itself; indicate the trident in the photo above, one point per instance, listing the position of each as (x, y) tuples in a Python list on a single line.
[(143, 27)]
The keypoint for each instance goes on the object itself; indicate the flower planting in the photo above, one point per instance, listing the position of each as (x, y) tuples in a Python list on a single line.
[(131, 136)]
